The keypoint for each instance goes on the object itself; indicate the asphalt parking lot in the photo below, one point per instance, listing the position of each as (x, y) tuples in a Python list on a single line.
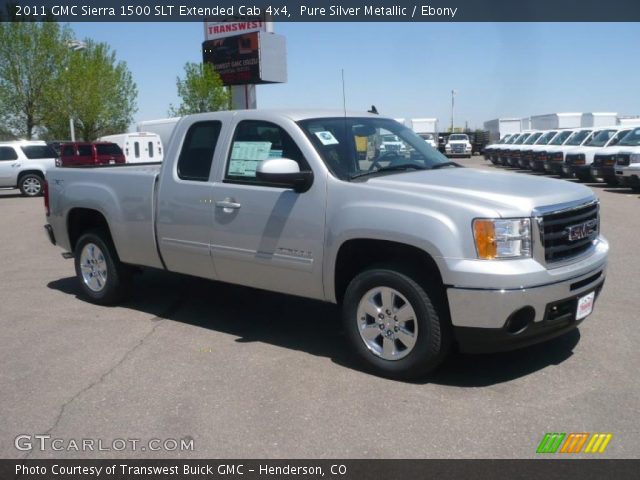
[(251, 374)]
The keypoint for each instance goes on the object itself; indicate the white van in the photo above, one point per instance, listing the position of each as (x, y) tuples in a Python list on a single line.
[(138, 147)]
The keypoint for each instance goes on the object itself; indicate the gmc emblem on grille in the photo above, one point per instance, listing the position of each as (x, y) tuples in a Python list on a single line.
[(582, 230)]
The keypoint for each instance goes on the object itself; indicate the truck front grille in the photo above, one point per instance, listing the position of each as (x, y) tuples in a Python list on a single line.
[(568, 233)]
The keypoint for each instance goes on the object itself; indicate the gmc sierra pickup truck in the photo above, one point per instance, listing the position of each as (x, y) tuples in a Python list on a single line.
[(420, 253)]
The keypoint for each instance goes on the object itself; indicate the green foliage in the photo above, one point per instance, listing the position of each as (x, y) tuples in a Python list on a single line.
[(43, 82), (29, 53), (200, 91), (96, 90)]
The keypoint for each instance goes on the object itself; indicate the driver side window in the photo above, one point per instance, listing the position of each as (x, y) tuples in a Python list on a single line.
[(255, 141)]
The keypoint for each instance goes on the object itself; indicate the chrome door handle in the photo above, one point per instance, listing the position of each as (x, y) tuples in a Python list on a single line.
[(228, 203)]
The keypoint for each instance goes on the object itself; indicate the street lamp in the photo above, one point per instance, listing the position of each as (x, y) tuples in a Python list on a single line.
[(76, 46), (453, 96)]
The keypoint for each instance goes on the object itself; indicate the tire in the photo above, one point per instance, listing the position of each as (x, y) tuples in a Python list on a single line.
[(103, 279), (390, 346), (31, 185)]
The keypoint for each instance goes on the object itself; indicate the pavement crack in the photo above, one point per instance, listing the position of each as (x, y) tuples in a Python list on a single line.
[(159, 320)]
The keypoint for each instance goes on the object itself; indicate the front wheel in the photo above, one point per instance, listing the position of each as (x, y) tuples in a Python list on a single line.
[(31, 185), (393, 324), (103, 278)]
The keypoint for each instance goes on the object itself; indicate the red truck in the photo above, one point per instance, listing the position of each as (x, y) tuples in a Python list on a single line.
[(90, 153)]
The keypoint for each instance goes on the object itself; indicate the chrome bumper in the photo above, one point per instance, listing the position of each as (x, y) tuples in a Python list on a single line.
[(490, 309)]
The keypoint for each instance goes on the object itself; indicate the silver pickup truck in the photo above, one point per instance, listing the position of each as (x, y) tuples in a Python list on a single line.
[(420, 253)]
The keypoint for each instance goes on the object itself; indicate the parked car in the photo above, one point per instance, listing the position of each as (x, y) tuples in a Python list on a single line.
[(458, 145), (498, 153), (553, 157), (578, 161), (627, 161), (604, 164), (537, 154), (489, 149), (75, 154), (539, 144), (509, 150), (23, 165), (419, 252)]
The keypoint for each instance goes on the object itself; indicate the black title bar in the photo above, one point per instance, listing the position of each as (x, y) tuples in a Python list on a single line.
[(324, 11)]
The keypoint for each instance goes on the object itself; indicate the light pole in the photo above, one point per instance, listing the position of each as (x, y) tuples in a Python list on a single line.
[(76, 46), (453, 96)]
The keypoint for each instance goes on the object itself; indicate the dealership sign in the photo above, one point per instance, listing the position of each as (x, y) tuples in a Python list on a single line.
[(214, 30), (247, 59)]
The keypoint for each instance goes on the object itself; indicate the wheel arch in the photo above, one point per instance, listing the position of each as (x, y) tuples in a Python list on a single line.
[(357, 254), (81, 220)]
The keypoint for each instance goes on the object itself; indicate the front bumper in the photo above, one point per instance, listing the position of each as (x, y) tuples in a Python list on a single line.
[(607, 173), (542, 313), (554, 167), (629, 177), (577, 170)]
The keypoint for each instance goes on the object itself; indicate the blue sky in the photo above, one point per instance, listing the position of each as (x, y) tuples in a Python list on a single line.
[(409, 69)]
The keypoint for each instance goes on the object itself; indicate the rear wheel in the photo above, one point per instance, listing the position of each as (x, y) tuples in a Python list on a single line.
[(393, 324), (103, 278), (31, 185)]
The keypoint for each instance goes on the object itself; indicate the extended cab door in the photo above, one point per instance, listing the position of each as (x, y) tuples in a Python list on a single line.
[(184, 204), (267, 236)]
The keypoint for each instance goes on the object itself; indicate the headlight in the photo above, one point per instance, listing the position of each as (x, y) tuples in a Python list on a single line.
[(502, 238)]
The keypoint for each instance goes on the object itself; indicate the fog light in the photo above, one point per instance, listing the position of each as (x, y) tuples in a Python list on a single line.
[(519, 320)]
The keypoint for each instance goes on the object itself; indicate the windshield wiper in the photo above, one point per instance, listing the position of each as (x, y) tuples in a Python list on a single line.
[(389, 168), (445, 164)]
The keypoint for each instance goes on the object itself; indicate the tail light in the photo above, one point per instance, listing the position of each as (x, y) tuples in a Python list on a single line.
[(45, 193)]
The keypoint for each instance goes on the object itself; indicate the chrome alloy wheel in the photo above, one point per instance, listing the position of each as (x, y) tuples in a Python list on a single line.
[(93, 267), (32, 186), (387, 323)]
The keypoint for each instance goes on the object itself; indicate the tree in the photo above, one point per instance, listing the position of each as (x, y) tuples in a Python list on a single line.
[(30, 55), (96, 90), (200, 91)]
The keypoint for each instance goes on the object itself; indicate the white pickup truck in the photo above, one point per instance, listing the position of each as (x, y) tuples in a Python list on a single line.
[(458, 145), (627, 167), (419, 252)]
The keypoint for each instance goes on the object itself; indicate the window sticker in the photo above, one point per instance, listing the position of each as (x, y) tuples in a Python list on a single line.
[(246, 156), (326, 138)]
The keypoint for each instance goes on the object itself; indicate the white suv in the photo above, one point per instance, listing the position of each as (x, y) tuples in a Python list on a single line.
[(23, 165)]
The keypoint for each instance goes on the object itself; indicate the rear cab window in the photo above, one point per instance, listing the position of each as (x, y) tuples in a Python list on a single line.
[(255, 141), (197, 151)]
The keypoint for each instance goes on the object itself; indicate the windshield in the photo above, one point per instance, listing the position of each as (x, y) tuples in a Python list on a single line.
[(390, 138), (631, 139), (577, 138), (561, 137), (427, 136), (34, 152), (532, 138), (546, 138), (458, 138), (505, 139), (617, 137), (108, 149), (351, 146), (600, 138), (516, 138)]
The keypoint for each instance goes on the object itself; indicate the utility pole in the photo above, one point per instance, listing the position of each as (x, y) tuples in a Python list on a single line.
[(453, 96), (76, 46)]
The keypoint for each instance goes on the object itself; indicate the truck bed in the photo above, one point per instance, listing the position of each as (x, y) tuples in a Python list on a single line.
[(124, 194)]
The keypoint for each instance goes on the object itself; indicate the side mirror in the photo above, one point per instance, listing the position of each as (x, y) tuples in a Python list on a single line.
[(285, 172)]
